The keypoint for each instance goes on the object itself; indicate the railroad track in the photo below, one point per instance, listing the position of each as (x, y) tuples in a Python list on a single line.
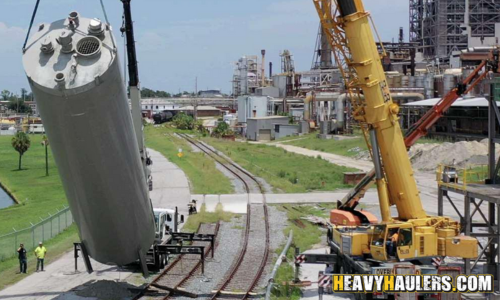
[(247, 270), (178, 272)]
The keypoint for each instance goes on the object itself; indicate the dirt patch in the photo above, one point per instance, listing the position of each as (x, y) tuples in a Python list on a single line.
[(429, 156)]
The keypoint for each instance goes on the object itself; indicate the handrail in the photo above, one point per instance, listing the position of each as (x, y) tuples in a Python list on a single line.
[(277, 264)]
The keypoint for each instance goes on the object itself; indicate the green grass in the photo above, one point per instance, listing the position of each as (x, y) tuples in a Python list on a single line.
[(341, 147), (38, 194), (205, 178), (194, 221), (346, 147), (284, 171), (304, 238), (55, 248)]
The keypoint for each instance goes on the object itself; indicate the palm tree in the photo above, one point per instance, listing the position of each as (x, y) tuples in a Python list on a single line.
[(21, 143)]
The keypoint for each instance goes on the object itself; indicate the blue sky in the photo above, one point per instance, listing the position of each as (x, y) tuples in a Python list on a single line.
[(178, 40)]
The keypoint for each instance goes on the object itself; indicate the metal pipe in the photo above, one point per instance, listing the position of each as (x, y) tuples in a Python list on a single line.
[(307, 107), (277, 264), (376, 155), (400, 96), (383, 194)]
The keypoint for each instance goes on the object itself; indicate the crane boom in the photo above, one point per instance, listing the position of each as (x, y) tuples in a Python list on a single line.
[(134, 89), (419, 129), (381, 116), (348, 29)]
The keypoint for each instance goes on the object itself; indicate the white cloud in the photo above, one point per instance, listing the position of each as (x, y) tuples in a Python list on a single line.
[(11, 37), (11, 42)]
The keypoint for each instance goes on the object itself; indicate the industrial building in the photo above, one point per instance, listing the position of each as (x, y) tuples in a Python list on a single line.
[(264, 128), (388, 95), (467, 119), (252, 107), (441, 27)]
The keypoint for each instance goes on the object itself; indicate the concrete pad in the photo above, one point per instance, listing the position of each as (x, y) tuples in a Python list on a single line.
[(59, 278), (310, 272), (235, 203), (169, 178), (171, 189), (170, 184)]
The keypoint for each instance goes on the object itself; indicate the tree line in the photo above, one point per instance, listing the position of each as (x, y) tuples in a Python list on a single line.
[(16, 101), (149, 93)]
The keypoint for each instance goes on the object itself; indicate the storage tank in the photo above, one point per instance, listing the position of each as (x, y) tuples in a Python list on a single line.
[(449, 82), (429, 85), (390, 81), (397, 81), (412, 82), (74, 73), (419, 81), (405, 81), (438, 86)]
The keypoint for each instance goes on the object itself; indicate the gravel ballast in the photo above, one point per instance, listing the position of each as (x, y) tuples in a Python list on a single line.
[(227, 247)]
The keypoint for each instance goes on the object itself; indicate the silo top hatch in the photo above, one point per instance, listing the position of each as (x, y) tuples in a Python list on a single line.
[(69, 56)]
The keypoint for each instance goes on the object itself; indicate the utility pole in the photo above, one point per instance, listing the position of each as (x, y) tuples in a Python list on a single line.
[(195, 106), (45, 143)]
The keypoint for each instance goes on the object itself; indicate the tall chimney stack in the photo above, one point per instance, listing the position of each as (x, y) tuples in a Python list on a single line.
[(263, 66)]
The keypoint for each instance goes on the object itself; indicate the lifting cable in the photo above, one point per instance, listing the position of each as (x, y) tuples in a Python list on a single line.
[(33, 19), (108, 25), (31, 24)]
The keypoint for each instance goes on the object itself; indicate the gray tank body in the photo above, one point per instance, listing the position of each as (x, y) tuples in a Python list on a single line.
[(82, 100)]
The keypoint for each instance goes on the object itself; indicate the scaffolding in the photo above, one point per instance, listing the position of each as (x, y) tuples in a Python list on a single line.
[(483, 15), (479, 211), (440, 27)]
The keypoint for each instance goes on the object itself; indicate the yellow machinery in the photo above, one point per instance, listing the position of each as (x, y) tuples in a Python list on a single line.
[(414, 234)]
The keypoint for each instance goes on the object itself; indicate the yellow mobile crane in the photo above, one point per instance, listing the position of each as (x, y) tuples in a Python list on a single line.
[(416, 237)]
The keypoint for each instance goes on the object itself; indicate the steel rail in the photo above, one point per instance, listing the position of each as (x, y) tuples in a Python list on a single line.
[(207, 150), (198, 264), (170, 266)]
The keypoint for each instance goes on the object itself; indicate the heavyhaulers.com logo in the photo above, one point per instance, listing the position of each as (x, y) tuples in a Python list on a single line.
[(412, 283)]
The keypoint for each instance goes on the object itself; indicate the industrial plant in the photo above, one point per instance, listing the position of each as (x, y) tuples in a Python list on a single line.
[(373, 173)]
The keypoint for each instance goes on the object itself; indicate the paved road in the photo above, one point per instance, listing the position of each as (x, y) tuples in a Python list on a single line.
[(170, 184), (171, 188), (340, 160), (426, 181), (309, 272)]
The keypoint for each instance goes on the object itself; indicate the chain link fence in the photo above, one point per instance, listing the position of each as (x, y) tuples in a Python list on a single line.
[(39, 232)]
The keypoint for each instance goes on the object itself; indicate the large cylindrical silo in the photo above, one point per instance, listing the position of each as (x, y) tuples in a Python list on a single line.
[(74, 73)]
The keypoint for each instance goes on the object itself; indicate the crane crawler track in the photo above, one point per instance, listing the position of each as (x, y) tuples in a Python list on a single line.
[(246, 271)]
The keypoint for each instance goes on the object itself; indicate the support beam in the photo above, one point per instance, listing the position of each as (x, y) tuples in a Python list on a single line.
[(456, 209), (86, 258), (498, 248), (440, 201), (466, 225), (491, 137), (144, 266)]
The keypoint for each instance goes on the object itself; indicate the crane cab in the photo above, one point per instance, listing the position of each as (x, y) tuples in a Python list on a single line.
[(409, 240), (392, 241)]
